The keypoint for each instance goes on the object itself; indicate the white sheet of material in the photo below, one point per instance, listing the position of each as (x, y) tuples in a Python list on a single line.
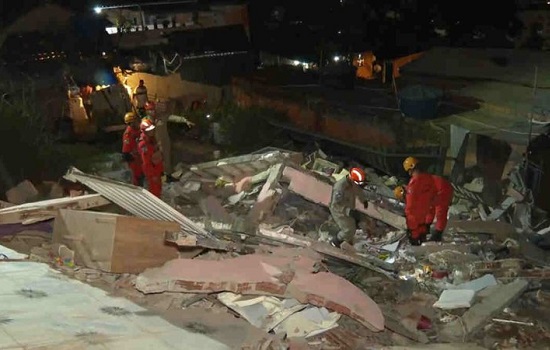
[(40, 307)]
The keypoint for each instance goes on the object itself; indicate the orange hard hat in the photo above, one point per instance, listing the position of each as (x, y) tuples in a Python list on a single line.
[(130, 117), (357, 175), (410, 163), (146, 125), (150, 106), (399, 192)]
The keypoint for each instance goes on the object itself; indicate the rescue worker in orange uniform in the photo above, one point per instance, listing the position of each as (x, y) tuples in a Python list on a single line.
[(151, 157), (440, 207), (130, 152), (419, 198)]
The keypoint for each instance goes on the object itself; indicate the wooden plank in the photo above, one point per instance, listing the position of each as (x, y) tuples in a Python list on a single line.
[(45, 210), (139, 244)]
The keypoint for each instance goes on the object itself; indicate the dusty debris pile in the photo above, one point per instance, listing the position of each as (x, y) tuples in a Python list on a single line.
[(238, 247)]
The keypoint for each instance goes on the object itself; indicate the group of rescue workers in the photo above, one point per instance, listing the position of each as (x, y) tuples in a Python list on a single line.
[(427, 197), (140, 148)]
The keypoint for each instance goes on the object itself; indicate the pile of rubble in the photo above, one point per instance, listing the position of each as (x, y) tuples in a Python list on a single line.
[(237, 250)]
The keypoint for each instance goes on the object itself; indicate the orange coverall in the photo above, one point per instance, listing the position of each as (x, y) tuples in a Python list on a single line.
[(440, 207), (152, 163), (418, 201), (130, 140)]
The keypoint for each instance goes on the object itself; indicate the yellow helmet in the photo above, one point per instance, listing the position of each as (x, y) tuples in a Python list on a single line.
[(130, 117), (410, 163), (399, 193)]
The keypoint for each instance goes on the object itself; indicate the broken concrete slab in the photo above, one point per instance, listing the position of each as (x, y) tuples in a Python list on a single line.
[(318, 191), (22, 193), (455, 299), (481, 313), (500, 230), (325, 289), (291, 275), (218, 217), (248, 274), (30, 213)]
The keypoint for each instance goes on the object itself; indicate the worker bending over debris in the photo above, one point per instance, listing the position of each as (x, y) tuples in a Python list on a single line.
[(151, 157), (440, 207), (441, 200), (342, 202), (130, 151), (419, 198)]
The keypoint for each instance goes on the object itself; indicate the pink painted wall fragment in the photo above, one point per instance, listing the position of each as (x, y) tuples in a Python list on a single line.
[(325, 289), (284, 273), (320, 192)]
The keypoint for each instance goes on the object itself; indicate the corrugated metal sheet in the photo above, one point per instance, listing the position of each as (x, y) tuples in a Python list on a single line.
[(136, 200), (235, 168)]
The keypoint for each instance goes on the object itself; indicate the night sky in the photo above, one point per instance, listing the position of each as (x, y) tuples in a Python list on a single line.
[(300, 27)]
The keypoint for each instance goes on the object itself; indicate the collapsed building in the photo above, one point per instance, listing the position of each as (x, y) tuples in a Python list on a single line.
[(247, 236)]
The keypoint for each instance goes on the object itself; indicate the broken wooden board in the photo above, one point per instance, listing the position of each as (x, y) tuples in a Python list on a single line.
[(478, 315), (114, 243), (315, 190), (30, 213), (269, 196)]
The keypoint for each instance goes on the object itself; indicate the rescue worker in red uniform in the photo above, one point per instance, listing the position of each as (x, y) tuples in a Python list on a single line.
[(440, 207), (151, 157), (130, 152), (419, 198)]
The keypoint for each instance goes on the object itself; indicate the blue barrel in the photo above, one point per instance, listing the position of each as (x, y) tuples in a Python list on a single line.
[(419, 101)]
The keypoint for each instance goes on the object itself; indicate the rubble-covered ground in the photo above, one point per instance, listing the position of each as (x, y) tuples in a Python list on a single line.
[(235, 256)]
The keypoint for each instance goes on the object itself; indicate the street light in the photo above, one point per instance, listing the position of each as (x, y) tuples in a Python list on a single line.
[(98, 10)]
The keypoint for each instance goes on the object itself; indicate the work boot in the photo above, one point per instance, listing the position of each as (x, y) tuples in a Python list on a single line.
[(437, 236), (417, 241), (336, 242)]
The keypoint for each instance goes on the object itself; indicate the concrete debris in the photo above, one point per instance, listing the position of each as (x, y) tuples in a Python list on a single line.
[(237, 249), (476, 318), (455, 299), (265, 275), (22, 193), (286, 316)]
